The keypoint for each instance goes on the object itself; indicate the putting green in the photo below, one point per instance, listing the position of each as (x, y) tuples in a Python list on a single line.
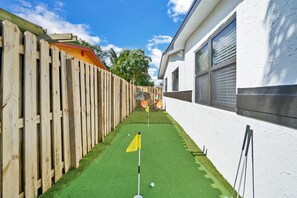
[(164, 161)]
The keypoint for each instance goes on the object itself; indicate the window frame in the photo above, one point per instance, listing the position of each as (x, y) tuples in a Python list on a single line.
[(172, 74), (211, 69), (166, 84)]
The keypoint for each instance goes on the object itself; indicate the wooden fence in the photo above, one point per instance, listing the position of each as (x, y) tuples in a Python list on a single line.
[(55, 109)]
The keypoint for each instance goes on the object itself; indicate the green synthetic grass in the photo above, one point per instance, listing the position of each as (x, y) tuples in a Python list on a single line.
[(155, 117), (166, 160)]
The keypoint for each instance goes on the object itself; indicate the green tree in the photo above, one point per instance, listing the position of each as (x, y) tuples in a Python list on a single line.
[(132, 65)]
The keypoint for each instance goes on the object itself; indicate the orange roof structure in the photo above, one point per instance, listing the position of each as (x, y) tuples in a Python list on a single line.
[(82, 53)]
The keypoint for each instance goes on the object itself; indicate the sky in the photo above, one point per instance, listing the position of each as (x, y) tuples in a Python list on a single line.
[(121, 24)]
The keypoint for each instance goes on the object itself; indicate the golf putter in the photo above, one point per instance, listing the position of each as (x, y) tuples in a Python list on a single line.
[(242, 149), (246, 156)]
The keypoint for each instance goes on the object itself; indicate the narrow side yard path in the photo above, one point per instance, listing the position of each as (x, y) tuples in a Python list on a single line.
[(165, 160)]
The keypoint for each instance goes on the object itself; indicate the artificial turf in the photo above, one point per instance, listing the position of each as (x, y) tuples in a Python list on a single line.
[(165, 160)]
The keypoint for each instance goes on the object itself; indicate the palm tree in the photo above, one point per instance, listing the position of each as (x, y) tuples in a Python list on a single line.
[(113, 56)]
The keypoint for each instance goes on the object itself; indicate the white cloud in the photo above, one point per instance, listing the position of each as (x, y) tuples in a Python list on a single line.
[(152, 71), (109, 46), (177, 8), (59, 4), (155, 53), (156, 40), (51, 20)]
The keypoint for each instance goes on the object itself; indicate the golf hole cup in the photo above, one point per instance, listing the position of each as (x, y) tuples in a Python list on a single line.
[(152, 185)]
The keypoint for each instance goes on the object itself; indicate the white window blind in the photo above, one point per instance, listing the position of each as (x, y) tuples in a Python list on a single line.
[(224, 45), (202, 89), (224, 87), (202, 60)]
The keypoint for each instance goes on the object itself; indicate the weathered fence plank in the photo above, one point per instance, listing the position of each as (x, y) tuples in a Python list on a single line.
[(56, 130), (45, 128), (65, 118), (10, 110), (89, 137), (101, 106), (30, 111), (92, 105), (74, 111), (83, 108), (104, 102), (96, 104)]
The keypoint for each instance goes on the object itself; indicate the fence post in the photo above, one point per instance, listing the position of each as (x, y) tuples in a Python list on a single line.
[(74, 111), (10, 110)]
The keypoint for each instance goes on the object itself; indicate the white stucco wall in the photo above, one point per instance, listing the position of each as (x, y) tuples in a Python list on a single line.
[(266, 56), (267, 43)]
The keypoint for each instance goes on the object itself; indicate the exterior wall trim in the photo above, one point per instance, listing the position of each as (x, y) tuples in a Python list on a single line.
[(180, 95), (275, 104)]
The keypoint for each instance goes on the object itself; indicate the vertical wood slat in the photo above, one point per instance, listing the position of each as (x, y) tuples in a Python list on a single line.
[(92, 105), (65, 119), (45, 128), (105, 103), (120, 99), (89, 137), (10, 110), (112, 81), (108, 102), (74, 111), (30, 111), (96, 103), (83, 108), (101, 106), (127, 99), (56, 130)]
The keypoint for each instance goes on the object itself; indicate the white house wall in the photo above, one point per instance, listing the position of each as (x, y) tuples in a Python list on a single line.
[(266, 56)]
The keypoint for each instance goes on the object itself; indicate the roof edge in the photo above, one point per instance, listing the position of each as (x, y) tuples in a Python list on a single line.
[(171, 45)]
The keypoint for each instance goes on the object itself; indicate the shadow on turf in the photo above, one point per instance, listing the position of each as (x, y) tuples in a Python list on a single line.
[(200, 157)]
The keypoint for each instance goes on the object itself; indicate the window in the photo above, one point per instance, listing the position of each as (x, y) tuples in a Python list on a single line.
[(175, 80), (165, 84), (215, 70)]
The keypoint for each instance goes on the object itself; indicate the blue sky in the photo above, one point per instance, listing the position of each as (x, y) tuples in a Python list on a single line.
[(121, 24)]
